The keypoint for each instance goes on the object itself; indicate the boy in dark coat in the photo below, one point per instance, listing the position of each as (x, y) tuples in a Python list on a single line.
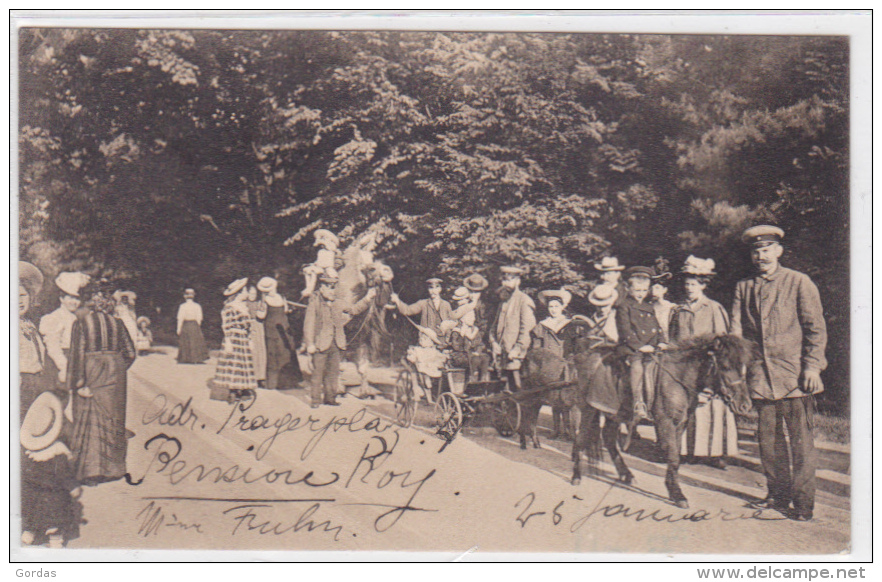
[(639, 331)]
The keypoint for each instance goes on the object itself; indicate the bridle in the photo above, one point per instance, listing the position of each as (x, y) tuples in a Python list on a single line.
[(722, 387)]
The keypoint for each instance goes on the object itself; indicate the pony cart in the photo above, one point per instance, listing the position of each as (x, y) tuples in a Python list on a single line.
[(455, 400)]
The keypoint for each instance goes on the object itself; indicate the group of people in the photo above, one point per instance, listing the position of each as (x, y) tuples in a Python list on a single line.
[(779, 309), (258, 345), (73, 379)]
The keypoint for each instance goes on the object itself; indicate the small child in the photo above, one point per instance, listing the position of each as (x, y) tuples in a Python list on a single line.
[(328, 244), (427, 357), (639, 331), (144, 339)]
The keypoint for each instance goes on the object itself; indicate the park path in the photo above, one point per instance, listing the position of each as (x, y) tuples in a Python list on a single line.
[(357, 482)]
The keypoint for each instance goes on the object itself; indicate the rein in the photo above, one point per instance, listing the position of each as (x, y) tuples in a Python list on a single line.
[(713, 369)]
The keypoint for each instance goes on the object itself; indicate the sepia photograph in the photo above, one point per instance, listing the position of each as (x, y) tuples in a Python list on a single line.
[(323, 288)]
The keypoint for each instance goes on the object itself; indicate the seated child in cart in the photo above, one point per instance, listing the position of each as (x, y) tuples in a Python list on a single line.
[(428, 359)]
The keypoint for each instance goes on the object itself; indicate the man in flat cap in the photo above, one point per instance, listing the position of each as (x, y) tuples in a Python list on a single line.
[(780, 310), (56, 327), (324, 335), (432, 311), (515, 319)]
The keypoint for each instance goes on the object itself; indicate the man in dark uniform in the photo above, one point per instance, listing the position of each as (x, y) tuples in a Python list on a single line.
[(780, 309)]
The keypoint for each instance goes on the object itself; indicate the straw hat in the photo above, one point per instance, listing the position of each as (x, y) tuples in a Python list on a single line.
[(267, 284), (236, 286), (143, 319), (461, 294), (561, 295), (30, 278), (609, 264), (603, 295), (72, 283), (475, 282), (42, 423)]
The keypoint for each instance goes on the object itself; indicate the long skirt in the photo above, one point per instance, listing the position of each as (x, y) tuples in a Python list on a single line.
[(235, 369), (711, 431), (99, 433), (258, 348), (46, 486), (191, 345)]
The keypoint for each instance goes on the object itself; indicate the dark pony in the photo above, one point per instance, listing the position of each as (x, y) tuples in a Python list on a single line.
[(715, 362)]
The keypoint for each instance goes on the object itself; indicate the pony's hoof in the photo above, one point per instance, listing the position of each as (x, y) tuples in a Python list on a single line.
[(626, 479), (576, 481), (523, 446), (682, 504)]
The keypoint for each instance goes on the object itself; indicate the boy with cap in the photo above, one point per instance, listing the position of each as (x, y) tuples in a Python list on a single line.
[(780, 309), (432, 311), (56, 327), (639, 331)]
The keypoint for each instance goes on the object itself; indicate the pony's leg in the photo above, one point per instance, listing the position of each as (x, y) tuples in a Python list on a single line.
[(610, 437), (669, 435), (580, 444)]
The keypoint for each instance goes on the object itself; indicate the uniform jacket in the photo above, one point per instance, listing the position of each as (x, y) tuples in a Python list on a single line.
[(514, 322), (637, 325), (704, 317), (782, 313), (429, 316), (325, 321)]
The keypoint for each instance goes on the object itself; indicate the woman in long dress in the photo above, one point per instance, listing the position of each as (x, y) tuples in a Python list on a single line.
[(234, 377), (101, 351), (549, 334), (191, 342), (49, 513), (257, 310), (279, 339), (711, 434)]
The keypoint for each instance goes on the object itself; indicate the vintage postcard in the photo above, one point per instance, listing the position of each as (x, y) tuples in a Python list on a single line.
[(556, 286)]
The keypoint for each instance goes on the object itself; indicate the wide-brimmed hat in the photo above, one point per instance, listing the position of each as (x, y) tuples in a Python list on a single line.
[(71, 283), (118, 296), (461, 294), (661, 271), (30, 278), (434, 280), (603, 295), (42, 424), (609, 264), (236, 286), (323, 235), (475, 282), (639, 272), (267, 284), (698, 267), (142, 319), (189, 293), (512, 270), (561, 295), (762, 235)]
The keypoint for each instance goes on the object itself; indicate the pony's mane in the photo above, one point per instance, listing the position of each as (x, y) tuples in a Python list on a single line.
[(732, 348)]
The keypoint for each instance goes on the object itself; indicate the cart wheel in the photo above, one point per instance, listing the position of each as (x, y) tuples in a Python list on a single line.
[(506, 416), (448, 414), (405, 405)]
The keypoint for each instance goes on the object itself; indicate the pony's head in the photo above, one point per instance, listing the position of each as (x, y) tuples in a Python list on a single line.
[(730, 356)]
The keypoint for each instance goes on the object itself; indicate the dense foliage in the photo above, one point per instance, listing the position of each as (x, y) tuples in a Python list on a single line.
[(166, 159)]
